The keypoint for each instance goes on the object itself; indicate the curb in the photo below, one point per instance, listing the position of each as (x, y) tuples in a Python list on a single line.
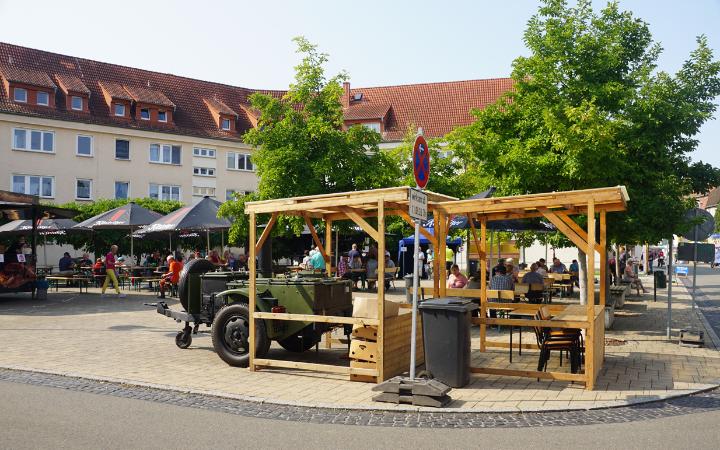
[(379, 408)]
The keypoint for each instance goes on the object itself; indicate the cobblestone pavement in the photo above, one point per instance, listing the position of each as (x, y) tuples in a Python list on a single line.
[(122, 341), (700, 402)]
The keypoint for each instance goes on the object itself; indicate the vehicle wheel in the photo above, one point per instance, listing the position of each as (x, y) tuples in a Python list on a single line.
[(301, 341), (183, 339), (194, 266), (230, 332)]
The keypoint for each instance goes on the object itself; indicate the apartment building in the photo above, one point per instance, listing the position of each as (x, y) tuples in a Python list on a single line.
[(73, 129)]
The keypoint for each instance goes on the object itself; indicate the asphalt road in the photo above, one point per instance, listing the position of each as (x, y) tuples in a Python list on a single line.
[(44, 417), (708, 294)]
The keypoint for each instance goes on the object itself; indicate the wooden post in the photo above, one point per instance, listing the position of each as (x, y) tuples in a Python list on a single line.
[(328, 246), (436, 260), (590, 341), (442, 245), (251, 291), (483, 282), (603, 257), (381, 288)]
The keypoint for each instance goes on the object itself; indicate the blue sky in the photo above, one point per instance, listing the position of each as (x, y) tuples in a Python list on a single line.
[(377, 42)]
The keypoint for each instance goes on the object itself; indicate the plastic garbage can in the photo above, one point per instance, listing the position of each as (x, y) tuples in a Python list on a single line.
[(660, 279), (446, 337), (408, 288)]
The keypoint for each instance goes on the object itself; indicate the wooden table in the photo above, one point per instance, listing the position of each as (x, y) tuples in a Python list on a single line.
[(82, 281)]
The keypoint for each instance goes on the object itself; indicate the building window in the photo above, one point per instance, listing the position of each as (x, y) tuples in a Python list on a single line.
[(122, 190), (83, 189), (239, 161), (43, 98), (204, 152), (145, 114), (165, 154), (225, 124), (231, 193), (162, 116), (33, 140), (204, 171), (84, 146), (76, 103), (202, 191), (34, 185), (375, 126), (122, 149), (119, 109), (164, 192), (20, 95)]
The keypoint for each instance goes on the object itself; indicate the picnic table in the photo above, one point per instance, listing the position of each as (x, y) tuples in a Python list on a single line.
[(81, 281)]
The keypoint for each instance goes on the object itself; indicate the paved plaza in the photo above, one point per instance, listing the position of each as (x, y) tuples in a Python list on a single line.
[(124, 341)]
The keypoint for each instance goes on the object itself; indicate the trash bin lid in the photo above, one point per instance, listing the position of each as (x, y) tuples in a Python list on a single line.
[(459, 304)]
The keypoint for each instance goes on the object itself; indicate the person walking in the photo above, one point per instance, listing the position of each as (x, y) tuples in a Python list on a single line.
[(110, 272)]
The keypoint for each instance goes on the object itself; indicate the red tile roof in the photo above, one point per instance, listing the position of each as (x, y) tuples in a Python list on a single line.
[(436, 107), (69, 83), (31, 77), (153, 97), (115, 91), (365, 110), (219, 107)]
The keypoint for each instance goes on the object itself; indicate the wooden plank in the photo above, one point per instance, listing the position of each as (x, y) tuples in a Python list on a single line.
[(315, 237), (576, 228), (328, 201), (251, 290), (264, 362), (603, 257), (553, 308), (483, 280), (561, 376), (440, 256), (471, 220), (317, 318), (362, 223), (436, 259), (381, 287), (494, 344), (266, 232), (535, 323), (564, 228), (328, 247), (590, 250)]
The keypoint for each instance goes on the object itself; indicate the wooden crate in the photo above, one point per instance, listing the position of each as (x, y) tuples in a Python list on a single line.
[(363, 365), (367, 332), (363, 350)]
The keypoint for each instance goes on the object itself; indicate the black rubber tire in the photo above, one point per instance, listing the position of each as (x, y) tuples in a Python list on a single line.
[(194, 266), (230, 331), (183, 339), (301, 341)]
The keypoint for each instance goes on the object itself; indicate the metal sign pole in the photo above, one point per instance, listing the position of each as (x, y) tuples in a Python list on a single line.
[(416, 282), (695, 238), (669, 291)]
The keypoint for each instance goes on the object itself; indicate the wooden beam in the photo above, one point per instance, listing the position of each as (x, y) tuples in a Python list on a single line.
[(561, 376), (576, 228), (536, 323), (483, 281), (362, 223), (315, 237), (266, 232), (564, 228), (381, 289), (507, 345), (590, 341), (436, 259), (251, 290), (316, 318), (328, 247), (343, 370), (603, 257), (440, 256), (471, 220)]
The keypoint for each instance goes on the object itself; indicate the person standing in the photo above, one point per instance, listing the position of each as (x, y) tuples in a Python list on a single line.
[(110, 271), (430, 261), (449, 258), (421, 262)]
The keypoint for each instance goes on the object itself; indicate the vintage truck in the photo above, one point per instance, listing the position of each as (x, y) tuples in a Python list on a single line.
[(220, 300)]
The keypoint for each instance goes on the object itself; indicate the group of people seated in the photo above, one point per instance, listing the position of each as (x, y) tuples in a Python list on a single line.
[(357, 267), (67, 265)]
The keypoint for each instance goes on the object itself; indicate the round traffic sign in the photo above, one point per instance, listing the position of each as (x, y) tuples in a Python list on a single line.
[(421, 162), (702, 230)]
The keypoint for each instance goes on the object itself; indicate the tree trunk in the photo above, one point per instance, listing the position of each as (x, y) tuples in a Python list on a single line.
[(582, 276)]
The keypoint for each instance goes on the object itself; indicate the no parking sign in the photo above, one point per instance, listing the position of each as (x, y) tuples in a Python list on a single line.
[(421, 162)]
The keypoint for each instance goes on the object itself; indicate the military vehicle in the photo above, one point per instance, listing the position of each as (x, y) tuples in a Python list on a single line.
[(220, 300)]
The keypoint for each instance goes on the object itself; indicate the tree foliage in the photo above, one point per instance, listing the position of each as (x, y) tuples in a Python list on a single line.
[(302, 148), (590, 109)]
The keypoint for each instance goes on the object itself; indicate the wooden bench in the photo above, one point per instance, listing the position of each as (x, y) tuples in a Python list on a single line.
[(392, 271), (82, 282), (618, 293)]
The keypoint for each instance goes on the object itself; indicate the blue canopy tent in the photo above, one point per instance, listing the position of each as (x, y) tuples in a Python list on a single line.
[(405, 258)]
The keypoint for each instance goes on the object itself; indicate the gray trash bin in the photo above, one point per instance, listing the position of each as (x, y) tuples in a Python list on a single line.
[(446, 336), (408, 287)]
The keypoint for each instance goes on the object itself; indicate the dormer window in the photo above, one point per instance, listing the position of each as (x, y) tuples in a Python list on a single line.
[(225, 124), (76, 103), (162, 116), (145, 114), (20, 95), (119, 109), (43, 98)]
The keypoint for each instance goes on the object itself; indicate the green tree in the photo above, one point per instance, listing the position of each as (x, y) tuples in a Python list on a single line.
[(301, 147), (717, 219), (590, 109)]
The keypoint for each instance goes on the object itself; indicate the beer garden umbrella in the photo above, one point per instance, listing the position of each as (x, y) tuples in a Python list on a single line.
[(201, 216), (130, 216), (44, 227)]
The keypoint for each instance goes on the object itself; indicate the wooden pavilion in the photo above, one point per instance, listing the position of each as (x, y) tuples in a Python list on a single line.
[(557, 207)]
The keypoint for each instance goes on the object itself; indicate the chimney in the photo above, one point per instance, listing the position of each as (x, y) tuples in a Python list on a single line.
[(346, 94)]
